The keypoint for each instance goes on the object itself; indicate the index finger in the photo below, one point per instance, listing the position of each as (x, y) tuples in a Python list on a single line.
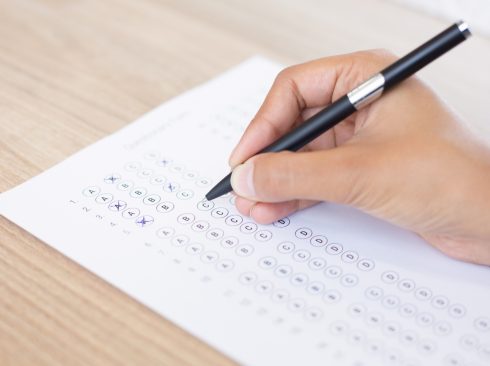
[(295, 88)]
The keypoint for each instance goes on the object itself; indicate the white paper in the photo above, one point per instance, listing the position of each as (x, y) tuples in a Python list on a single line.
[(311, 305)]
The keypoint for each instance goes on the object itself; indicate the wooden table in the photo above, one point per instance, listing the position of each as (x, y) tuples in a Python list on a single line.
[(74, 71)]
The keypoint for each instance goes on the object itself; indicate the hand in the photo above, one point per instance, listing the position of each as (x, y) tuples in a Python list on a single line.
[(406, 158)]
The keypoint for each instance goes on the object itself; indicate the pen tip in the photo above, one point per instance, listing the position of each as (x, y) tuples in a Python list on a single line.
[(223, 187)]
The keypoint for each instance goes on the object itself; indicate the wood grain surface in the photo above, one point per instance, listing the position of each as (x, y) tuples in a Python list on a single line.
[(73, 71)]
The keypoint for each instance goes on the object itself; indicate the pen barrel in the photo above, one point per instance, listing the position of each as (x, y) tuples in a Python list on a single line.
[(421, 56), (360, 96), (313, 127)]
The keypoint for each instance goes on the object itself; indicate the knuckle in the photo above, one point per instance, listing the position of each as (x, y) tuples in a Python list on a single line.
[(382, 53), (377, 57), (286, 75)]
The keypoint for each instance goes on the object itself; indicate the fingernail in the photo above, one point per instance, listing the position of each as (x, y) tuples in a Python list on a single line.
[(242, 180), (251, 210), (231, 160), (231, 164)]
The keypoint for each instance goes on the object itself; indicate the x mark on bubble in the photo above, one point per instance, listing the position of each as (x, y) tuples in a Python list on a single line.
[(144, 220)]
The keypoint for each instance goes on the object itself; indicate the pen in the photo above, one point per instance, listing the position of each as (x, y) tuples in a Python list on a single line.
[(360, 96)]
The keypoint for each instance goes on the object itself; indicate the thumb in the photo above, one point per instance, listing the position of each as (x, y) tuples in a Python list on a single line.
[(326, 175)]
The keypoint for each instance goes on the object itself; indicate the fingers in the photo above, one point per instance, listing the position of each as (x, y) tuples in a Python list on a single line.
[(244, 205), (303, 86), (330, 175), (266, 213), (282, 183), (309, 85)]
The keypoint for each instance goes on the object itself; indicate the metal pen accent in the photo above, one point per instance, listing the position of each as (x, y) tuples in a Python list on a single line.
[(367, 92)]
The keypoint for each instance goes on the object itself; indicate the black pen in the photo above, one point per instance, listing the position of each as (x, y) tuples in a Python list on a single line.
[(360, 96)]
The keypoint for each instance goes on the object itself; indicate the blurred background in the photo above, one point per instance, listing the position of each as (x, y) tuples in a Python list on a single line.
[(475, 12)]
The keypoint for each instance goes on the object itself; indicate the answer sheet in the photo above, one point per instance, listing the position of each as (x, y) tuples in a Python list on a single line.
[(326, 286)]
